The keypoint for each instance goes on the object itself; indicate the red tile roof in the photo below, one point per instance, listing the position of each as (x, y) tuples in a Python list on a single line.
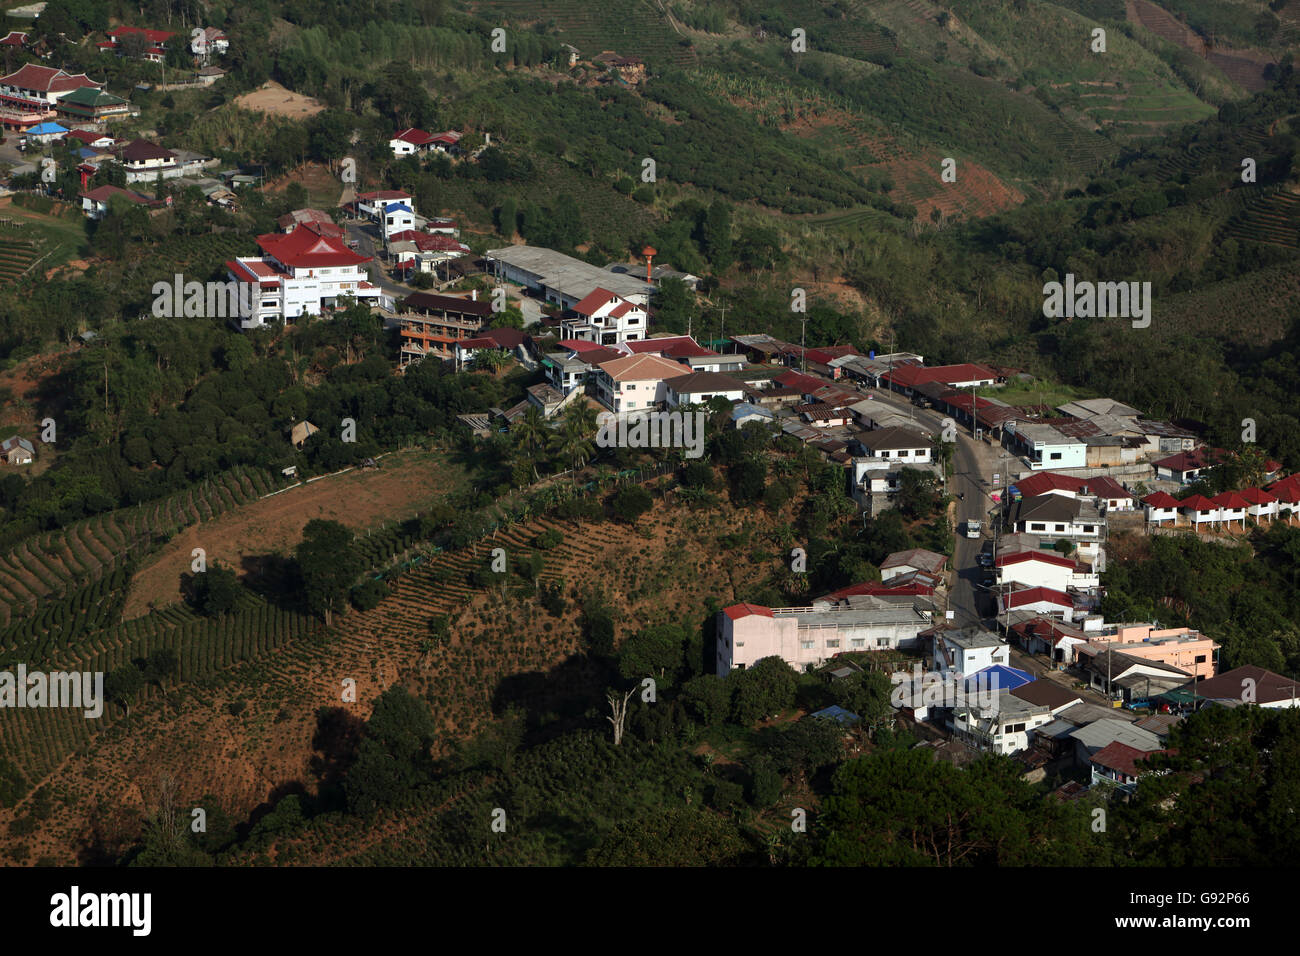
[(593, 300), (1027, 596), (1198, 503), (1287, 489), (1257, 496), (737, 611), (1161, 499), (1122, 757), (909, 376), (1231, 500), (1036, 554), (304, 249), (1189, 460), (416, 137), (1106, 487), (580, 345), (1047, 481), (46, 79), (153, 36)]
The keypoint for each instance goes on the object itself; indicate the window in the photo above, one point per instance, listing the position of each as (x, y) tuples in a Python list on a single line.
[(806, 645), (1037, 526), (1055, 456), (859, 642), (833, 643), (1087, 529), (740, 643), (1060, 527), (629, 388), (1200, 658)]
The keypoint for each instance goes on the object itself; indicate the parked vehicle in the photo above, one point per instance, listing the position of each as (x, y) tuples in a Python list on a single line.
[(972, 529)]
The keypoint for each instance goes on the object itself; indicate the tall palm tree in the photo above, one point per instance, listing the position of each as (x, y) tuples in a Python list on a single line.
[(531, 431), (577, 448)]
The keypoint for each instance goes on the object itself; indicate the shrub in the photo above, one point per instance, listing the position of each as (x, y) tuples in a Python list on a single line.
[(367, 595)]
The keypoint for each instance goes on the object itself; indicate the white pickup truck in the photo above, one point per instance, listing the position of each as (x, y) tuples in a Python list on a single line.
[(972, 529)]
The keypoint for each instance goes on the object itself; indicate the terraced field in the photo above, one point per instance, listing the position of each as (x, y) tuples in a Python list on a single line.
[(48, 566), (1271, 217), (16, 255)]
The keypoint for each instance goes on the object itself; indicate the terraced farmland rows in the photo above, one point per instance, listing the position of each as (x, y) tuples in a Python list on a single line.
[(16, 255), (38, 740), (53, 563), (1270, 217)]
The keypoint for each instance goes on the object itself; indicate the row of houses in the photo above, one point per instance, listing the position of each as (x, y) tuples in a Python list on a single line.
[(154, 44)]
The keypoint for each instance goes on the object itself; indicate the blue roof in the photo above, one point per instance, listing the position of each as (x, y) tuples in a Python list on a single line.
[(742, 409), (45, 128), (86, 152), (1001, 677), (836, 712), (401, 206)]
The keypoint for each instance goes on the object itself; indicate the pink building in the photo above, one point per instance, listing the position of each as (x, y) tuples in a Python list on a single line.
[(1180, 647), (806, 637)]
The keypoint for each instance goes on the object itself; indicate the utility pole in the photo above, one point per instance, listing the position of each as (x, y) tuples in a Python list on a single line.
[(803, 348)]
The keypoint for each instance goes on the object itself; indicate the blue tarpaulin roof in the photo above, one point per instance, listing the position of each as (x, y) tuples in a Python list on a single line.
[(1000, 677), (43, 129), (836, 712)]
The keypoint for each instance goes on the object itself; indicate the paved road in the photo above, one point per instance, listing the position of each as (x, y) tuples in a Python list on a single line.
[(366, 246), (974, 464)]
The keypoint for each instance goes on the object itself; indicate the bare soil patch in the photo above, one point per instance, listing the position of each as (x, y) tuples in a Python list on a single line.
[(274, 99), (359, 499)]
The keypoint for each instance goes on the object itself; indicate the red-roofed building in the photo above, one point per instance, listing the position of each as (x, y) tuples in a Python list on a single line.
[(1199, 509), (913, 584), (1118, 763), (513, 341), (409, 141), (605, 318), (94, 203), (154, 42), (806, 384), (738, 611), (1186, 466), (14, 38), (1259, 503), (1161, 507), (669, 346), (1041, 600), (1045, 635), (1232, 507), (301, 273), (1287, 493), (904, 378), (1034, 567), (28, 95)]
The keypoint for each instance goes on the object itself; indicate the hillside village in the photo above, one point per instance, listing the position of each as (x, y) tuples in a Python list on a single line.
[(334, 346)]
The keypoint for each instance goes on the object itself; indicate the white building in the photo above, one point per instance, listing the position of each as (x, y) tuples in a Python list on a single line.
[(635, 383), (1038, 568), (968, 650), (607, 319), (562, 279), (697, 388), (300, 273), (1045, 447)]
